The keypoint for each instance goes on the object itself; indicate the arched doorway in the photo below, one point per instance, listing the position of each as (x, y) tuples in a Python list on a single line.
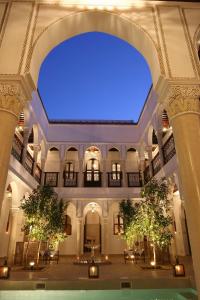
[(92, 239)]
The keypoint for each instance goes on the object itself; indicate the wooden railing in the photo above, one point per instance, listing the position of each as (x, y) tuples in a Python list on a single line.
[(169, 149), (17, 148), (38, 174), (114, 179), (70, 179), (51, 179), (134, 179), (29, 163), (156, 164), (147, 175)]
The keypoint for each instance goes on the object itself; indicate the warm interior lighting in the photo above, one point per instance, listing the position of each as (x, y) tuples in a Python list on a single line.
[(4, 272), (103, 4), (32, 264), (153, 263), (106, 257), (179, 270), (93, 271), (177, 193)]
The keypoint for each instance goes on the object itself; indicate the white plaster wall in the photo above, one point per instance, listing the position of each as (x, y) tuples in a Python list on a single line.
[(132, 161), (52, 162), (116, 244), (69, 246)]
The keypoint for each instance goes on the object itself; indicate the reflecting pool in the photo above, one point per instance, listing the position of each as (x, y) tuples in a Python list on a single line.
[(156, 294)]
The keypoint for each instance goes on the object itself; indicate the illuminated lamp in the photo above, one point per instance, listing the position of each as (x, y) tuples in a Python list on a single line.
[(93, 270), (4, 272), (179, 269)]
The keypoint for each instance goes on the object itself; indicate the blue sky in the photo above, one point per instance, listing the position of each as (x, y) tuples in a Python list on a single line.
[(94, 76)]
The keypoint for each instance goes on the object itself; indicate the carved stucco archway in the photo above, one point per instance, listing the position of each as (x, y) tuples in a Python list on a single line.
[(88, 21)]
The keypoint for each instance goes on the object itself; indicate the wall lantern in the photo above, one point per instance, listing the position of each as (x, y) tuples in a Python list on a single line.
[(179, 269), (4, 272), (93, 270)]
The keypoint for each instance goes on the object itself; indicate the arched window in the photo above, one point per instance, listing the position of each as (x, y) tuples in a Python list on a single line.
[(118, 223), (92, 169), (116, 169), (68, 225), (69, 170), (92, 164)]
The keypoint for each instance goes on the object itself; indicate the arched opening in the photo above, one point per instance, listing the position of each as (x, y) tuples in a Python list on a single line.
[(92, 174), (132, 167), (70, 172), (115, 168), (92, 228), (93, 21), (52, 167)]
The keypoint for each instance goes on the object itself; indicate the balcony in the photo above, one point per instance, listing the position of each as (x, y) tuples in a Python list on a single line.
[(51, 179), (115, 179), (29, 163), (147, 175), (134, 179), (38, 174), (169, 149), (92, 178), (156, 164), (17, 148), (70, 179)]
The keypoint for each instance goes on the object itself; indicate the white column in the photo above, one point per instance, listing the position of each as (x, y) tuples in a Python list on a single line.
[(105, 236), (149, 151), (183, 108), (12, 99), (15, 233), (36, 149), (80, 230), (160, 144), (43, 161), (26, 133), (80, 174)]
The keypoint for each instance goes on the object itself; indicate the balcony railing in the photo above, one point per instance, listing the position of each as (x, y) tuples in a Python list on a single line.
[(156, 164), (38, 174), (147, 175), (29, 163), (17, 148), (134, 179), (92, 178), (114, 179), (169, 149), (70, 179), (51, 179)]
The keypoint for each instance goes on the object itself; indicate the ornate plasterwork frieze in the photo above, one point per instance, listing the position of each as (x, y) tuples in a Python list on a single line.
[(183, 99), (12, 98)]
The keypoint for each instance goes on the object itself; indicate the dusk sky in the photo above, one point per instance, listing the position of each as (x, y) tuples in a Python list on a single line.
[(94, 76)]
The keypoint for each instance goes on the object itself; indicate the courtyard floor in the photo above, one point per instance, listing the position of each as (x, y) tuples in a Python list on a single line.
[(66, 275)]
